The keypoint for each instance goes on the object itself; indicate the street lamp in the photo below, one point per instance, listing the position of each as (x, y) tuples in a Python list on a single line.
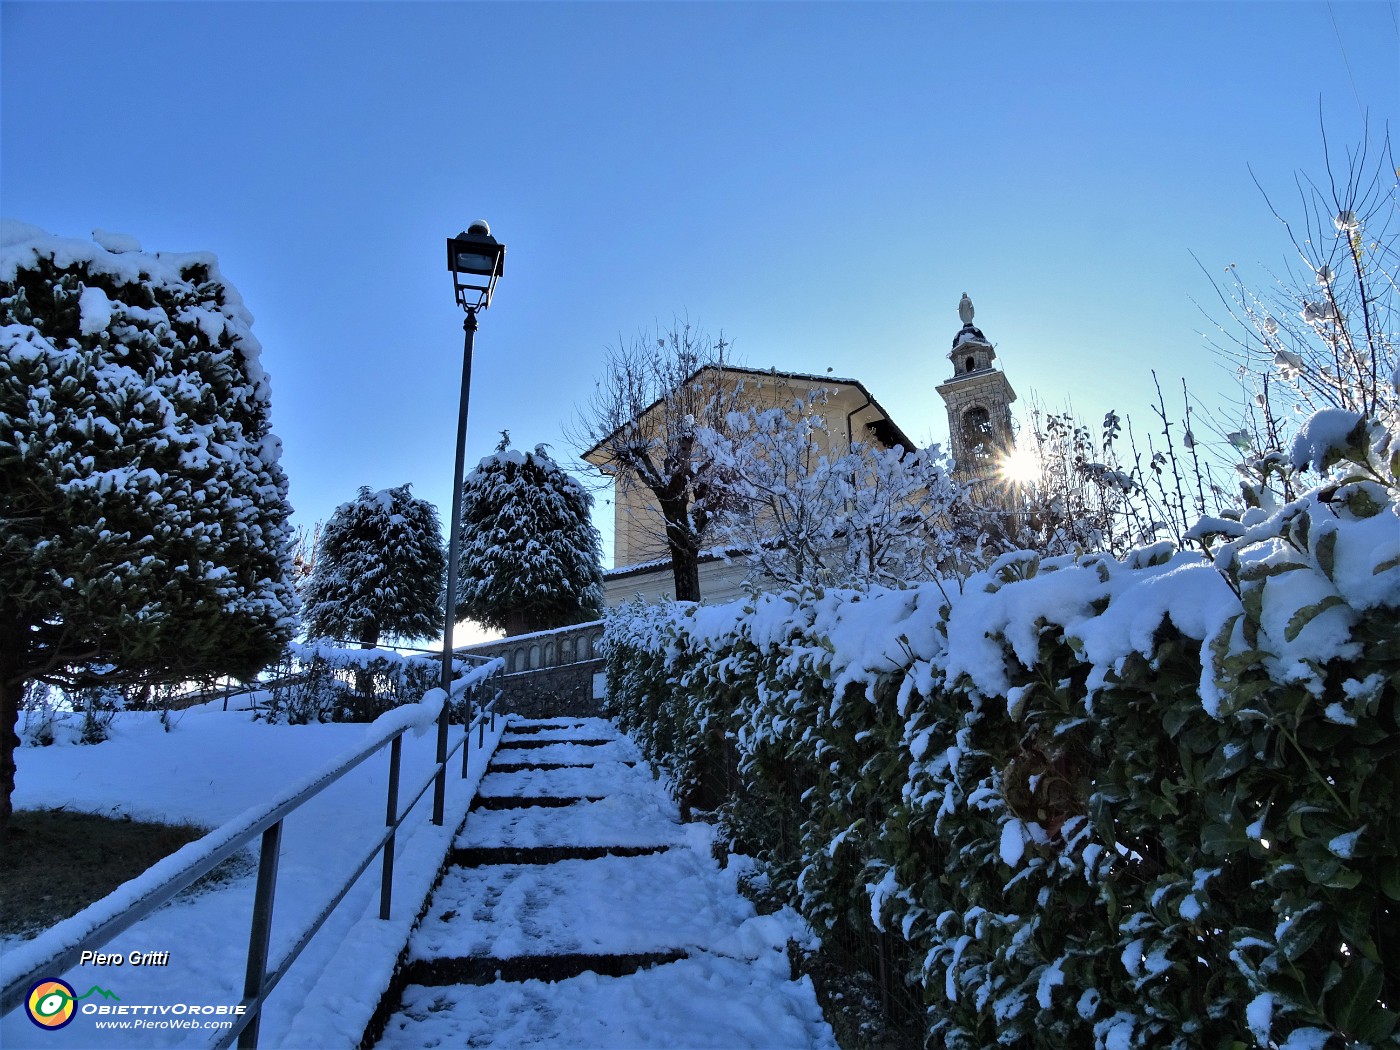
[(476, 259)]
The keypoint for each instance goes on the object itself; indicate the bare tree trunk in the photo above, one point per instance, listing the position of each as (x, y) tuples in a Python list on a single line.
[(369, 638), (11, 695), (680, 541), (685, 571)]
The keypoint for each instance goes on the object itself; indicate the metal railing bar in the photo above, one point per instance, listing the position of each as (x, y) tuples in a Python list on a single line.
[(284, 964), (260, 931), (226, 841), (237, 837), (253, 1005), (457, 654), (391, 808)]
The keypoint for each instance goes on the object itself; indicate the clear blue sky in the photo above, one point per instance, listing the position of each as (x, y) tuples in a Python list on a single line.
[(821, 182)]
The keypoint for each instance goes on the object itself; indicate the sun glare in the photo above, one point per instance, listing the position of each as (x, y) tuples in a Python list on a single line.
[(1020, 465)]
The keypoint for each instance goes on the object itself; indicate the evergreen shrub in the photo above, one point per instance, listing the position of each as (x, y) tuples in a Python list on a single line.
[(324, 683), (1140, 802)]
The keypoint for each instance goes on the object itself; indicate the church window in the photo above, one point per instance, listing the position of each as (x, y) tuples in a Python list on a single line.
[(971, 363)]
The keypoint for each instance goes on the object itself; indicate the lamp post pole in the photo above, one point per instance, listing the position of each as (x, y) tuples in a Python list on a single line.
[(454, 553), (476, 260)]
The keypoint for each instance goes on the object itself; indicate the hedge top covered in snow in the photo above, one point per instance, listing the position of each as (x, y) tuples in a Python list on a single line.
[(1308, 572), (1075, 784)]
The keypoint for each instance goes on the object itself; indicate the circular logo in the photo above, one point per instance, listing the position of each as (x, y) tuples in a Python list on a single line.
[(50, 1003)]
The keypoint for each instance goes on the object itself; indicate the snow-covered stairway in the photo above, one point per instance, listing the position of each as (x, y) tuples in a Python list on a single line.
[(579, 912)]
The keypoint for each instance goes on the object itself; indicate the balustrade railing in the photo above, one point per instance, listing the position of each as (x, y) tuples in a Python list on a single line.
[(477, 691)]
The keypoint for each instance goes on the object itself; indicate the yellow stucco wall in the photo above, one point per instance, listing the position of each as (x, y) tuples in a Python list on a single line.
[(639, 532)]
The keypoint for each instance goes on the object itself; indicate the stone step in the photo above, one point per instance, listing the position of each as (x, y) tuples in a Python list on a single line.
[(541, 727), (524, 767), (434, 973), (530, 801), (482, 856), (576, 782), (525, 744), (613, 821)]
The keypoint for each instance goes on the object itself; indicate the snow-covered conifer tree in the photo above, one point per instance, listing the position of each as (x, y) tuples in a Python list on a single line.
[(530, 554), (378, 570), (144, 529)]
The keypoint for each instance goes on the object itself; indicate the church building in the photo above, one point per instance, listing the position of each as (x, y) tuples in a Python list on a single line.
[(978, 399)]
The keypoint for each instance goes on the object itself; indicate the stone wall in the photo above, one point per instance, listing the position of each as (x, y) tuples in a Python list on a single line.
[(553, 692), (549, 674)]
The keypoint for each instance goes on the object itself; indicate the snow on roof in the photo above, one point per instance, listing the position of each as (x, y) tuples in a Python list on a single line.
[(512, 639), (900, 438)]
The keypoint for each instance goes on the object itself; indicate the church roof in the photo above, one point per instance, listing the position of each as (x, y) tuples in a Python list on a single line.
[(886, 431)]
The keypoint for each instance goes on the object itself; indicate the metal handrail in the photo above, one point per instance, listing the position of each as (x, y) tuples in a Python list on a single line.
[(223, 842), (457, 654)]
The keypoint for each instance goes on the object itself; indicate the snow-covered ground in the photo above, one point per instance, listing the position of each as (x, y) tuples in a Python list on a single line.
[(734, 989), (213, 767)]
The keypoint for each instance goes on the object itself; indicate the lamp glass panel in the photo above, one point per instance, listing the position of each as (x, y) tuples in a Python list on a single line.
[(472, 262)]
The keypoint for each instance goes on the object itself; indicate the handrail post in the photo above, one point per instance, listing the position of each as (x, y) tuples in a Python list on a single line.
[(260, 932), (391, 815), (466, 737)]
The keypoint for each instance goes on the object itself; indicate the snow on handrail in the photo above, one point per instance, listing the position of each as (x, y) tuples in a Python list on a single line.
[(60, 947)]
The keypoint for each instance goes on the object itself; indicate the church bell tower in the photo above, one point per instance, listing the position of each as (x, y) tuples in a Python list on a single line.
[(978, 398)]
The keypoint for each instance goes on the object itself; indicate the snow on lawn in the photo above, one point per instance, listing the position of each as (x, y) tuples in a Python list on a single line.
[(212, 767)]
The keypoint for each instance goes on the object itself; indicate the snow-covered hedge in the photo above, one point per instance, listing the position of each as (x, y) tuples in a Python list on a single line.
[(1141, 803), (326, 683)]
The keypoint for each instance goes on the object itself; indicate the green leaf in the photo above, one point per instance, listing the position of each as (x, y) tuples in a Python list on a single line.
[(1377, 1025), (1228, 761), (1308, 613), (1319, 866), (1220, 839), (1389, 871), (1354, 921), (1302, 932), (1177, 715), (1260, 571), (1326, 552), (1300, 527), (1356, 996)]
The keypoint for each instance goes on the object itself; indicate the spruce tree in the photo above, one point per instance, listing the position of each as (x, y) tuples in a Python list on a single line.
[(144, 529), (530, 556), (379, 570)]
